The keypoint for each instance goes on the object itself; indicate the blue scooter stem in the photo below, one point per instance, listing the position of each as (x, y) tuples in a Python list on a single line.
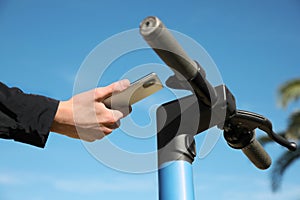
[(176, 181)]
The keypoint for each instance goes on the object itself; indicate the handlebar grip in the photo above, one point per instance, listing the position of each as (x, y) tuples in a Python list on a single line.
[(257, 155), (168, 49)]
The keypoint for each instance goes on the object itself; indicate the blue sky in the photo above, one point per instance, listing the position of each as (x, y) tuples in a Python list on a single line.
[(255, 45)]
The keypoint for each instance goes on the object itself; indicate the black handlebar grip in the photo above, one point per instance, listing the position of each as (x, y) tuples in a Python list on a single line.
[(257, 155), (167, 48)]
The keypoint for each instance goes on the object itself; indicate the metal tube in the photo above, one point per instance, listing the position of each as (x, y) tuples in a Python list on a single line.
[(176, 181)]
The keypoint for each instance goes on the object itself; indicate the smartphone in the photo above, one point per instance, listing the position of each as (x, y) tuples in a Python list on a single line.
[(137, 91)]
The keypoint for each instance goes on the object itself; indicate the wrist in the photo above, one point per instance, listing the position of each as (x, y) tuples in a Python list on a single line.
[(63, 116)]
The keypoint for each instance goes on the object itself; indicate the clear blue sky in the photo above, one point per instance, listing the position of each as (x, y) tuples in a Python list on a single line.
[(254, 43)]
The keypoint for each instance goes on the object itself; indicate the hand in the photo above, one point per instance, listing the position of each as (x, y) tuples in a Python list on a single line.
[(85, 117)]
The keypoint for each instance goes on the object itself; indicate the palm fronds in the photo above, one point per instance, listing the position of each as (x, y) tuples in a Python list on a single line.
[(293, 131), (281, 165), (288, 92)]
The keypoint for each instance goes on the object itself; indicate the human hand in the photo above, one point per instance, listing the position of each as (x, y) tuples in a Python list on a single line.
[(85, 116)]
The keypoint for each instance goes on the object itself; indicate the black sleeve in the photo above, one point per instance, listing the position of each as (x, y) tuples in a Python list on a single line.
[(24, 117)]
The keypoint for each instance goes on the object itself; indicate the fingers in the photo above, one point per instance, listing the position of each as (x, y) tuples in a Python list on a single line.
[(110, 116), (95, 133), (106, 120), (125, 110), (102, 129), (116, 115), (111, 123), (90, 135), (110, 120), (102, 93), (112, 126)]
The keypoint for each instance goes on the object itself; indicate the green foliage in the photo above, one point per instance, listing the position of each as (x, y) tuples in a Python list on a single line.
[(288, 92), (293, 131), (281, 165)]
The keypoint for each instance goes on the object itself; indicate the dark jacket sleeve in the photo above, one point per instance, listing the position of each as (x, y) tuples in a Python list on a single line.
[(24, 117)]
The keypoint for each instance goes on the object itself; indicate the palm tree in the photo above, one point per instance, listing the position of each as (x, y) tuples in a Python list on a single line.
[(288, 92)]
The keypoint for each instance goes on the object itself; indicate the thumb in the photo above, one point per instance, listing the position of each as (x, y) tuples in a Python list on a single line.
[(102, 93)]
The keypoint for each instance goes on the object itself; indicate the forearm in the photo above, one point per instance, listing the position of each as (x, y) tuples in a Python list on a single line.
[(24, 117)]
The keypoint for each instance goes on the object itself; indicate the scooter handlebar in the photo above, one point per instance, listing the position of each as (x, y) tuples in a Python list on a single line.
[(168, 49), (257, 155)]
